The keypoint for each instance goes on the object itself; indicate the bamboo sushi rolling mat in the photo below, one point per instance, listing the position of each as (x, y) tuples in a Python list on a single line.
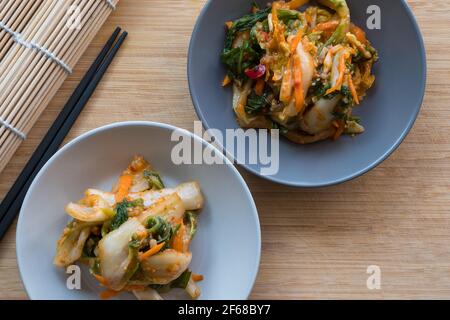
[(316, 243), (40, 42)]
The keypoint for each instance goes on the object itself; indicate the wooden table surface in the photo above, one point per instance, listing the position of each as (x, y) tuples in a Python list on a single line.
[(317, 244)]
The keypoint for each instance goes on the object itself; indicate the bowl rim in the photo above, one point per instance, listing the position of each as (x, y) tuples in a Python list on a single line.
[(159, 125), (347, 178)]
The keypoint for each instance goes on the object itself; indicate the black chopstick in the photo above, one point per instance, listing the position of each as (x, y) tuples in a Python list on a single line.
[(10, 206)]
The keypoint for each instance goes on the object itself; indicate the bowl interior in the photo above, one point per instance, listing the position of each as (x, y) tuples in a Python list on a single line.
[(388, 112), (95, 160)]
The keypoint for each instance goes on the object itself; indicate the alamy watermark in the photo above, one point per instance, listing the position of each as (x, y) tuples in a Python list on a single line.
[(73, 281), (250, 146), (374, 280), (374, 20), (74, 17)]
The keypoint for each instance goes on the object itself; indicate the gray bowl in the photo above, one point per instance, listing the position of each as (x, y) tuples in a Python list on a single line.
[(388, 112)]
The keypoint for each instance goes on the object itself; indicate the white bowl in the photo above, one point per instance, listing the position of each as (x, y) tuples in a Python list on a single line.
[(226, 249)]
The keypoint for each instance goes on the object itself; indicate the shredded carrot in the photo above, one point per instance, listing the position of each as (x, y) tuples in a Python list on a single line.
[(259, 86), (154, 250), (275, 7), (177, 242), (359, 33), (294, 4), (197, 277), (340, 127), (278, 34), (240, 110), (229, 24), (226, 81), (298, 85), (327, 26), (286, 84), (308, 18), (101, 279), (295, 41), (341, 71), (108, 294), (352, 89), (125, 182)]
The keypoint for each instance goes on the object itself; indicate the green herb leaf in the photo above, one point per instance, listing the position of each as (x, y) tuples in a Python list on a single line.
[(249, 20), (154, 180), (245, 23), (134, 244), (287, 15), (134, 264), (121, 212), (182, 281), (160, 229), (320, 88), (191, 221), (255, 103), (347, 97), (239, 59)]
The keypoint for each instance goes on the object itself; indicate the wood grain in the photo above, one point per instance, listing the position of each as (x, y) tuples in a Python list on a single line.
[(316, 243)]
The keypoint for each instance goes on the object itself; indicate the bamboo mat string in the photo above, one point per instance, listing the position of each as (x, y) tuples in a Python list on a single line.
[(111, 4), (33, 45), (17, 23), (8, 126)]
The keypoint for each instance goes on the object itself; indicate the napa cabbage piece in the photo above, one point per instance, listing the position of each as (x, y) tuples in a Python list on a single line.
[(140, 183), (320, 116), (150, 197), (116, 261), (301, 138), (189, 193), (308, 71), (166, 266), (142, 175), (108, 198), (71, 243), (353, 127), (192, 289), (148, 294), (89, 214), (170, 207)]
